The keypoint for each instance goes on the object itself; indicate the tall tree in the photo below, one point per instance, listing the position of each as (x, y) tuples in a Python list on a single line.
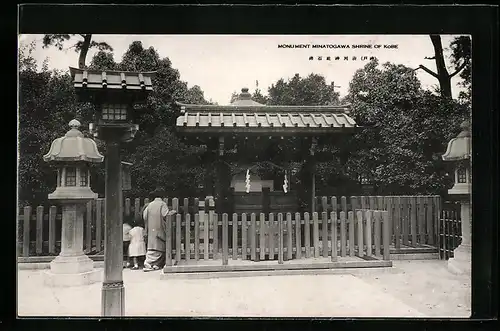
[(461, 48), (82, 46), (302, 91), (441, 74), (46, 105), (159, 157), (257, 96), (407, 130)]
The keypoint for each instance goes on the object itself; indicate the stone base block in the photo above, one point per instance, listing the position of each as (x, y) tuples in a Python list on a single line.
[(71, 264), (461, 264), (74, 279)]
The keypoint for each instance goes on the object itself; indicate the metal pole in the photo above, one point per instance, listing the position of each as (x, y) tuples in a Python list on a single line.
[(113, 291)]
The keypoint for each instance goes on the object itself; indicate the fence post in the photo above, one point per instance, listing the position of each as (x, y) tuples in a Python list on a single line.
[(168, 241), (351, 233), (206, 228), (26, 231), (316, 234), (397, 221), (334, 204), (333, 216), (343, 203), (437, 212), (178, 232), (368, 232), (253, 237), (307, 235), (225, 241), (324, 231), (386, 239), (52, 230), (185, 206), (378, 232), (359, 216), (244, 236), (343, 235), (298, 237), (270, 235), (324, 204), (405, 219), (430, 225), (137, 208), (197, 236), (39, 229), (235, 236), (262, 236), (187, 244), (127, 206), (289, 238), (280, 238), (413, 221)]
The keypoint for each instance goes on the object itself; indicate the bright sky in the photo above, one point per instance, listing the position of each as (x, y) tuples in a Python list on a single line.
[(223, 64)]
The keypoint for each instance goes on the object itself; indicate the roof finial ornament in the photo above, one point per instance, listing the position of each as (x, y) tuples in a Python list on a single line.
[(74, 124)]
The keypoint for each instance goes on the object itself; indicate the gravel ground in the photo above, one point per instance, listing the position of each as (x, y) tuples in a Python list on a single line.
[(427, 286), (413, 289)]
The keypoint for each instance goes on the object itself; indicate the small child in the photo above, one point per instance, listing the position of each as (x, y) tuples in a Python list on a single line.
[(126, 242), (137, 248)]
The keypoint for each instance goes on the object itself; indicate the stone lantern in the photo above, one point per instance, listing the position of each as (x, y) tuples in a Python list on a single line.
[(460, 151), (72, 153)]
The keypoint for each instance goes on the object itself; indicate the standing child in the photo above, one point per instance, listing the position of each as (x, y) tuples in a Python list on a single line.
[(137, 248), (126, 242)]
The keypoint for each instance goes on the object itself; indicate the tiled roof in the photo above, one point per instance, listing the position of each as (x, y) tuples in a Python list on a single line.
[(283, 120), (98, 79)]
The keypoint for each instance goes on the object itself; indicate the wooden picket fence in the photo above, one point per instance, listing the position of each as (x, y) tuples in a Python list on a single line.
[(45, 228), (281, 237), (450, 232), (413, 220)]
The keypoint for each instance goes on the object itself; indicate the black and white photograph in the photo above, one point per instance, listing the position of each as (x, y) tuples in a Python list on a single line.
[(244, 175)]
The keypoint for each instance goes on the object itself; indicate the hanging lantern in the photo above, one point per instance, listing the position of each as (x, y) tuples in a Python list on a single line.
[(247, 181)]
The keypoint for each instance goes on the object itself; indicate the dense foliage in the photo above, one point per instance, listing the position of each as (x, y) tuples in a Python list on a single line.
[(407, 129), (399, 150)]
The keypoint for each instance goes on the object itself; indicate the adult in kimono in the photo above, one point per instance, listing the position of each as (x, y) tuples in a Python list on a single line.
[(154, 216)]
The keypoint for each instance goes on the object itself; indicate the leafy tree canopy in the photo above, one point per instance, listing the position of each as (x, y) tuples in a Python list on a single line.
[(407, 130)]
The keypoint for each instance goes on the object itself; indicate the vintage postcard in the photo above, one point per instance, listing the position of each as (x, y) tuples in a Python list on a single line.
[(244, 175)]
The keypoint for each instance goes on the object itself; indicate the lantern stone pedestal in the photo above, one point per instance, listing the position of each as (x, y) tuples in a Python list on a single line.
[(72, 267), (461, 261)]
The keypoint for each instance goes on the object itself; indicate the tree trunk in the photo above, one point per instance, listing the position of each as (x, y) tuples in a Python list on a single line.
[(442, 73), (83, 52)]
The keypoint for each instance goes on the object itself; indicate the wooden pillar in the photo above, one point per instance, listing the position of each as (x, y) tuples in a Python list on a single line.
[(312, 169), (113, 291), (219, 181)]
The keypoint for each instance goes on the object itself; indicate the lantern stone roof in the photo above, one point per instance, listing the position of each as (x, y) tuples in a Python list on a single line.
[(459, 148), (111, 79), (246, 115), (73, 147)]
